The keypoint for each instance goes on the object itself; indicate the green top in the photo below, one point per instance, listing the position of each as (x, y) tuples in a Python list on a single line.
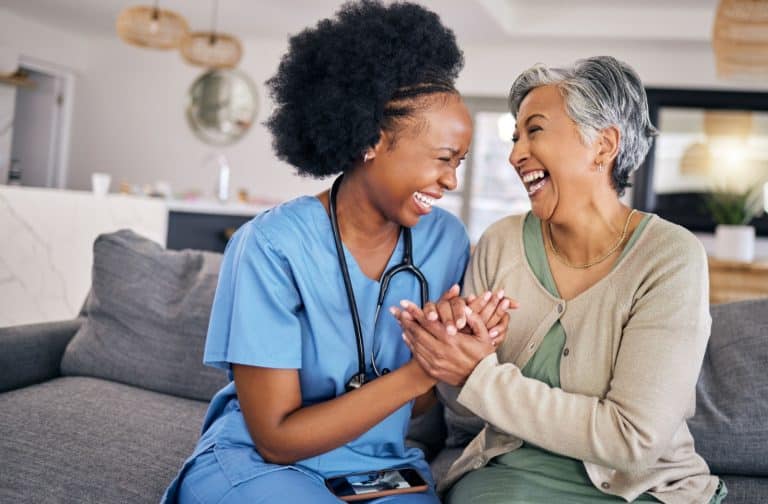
[(545, 363)]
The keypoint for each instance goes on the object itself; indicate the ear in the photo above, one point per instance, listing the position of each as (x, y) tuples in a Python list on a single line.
[(608, 145), (371, 152)]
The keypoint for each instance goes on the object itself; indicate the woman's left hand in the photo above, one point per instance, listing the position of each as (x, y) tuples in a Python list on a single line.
[(447, 356)]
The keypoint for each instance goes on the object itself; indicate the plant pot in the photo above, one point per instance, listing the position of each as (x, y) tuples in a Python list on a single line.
[(735, 243)]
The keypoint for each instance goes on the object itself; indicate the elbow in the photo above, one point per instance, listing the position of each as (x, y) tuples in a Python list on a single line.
[(276, 455), (639, 454)]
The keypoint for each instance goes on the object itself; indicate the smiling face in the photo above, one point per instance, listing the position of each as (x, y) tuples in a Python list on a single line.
[(407, 176), (555, 165)]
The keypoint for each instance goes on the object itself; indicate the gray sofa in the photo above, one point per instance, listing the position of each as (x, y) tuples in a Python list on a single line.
[(106, 407)]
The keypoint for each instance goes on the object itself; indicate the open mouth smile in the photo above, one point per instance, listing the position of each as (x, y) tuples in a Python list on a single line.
[(424, 201), (534, 181)]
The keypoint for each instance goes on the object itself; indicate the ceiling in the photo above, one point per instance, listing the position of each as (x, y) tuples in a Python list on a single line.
[(474, 21)]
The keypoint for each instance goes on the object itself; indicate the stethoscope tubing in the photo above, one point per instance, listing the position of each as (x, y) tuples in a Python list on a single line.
[(405, 265)]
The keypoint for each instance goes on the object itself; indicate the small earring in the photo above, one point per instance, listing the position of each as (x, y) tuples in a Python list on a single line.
[(600, 168), (366, 157)]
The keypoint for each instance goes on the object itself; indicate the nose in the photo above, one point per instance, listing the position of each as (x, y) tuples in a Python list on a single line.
[(448, 179), (519, 154)]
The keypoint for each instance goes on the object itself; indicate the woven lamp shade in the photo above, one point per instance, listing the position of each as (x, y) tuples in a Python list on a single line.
[(211, 50), (152, 27), (740, 38)]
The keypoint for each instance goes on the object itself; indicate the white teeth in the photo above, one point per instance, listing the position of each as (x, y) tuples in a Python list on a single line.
[(534, 175), (535, 187), (424, 199)]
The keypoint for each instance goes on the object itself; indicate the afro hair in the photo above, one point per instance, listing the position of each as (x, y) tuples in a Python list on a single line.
[(348, 78)]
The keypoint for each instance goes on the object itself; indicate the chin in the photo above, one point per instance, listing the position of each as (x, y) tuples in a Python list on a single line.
[(541, 212)]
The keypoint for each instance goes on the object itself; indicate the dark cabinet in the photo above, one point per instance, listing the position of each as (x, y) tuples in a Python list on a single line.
[(189, 230)]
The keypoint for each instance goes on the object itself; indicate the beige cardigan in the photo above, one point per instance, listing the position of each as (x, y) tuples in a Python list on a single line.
[(634, 348)]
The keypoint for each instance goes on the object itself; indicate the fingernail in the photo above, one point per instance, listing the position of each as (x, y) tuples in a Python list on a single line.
[(505, 304), (455, 286), (432, 316), (494, 333), (450, 330), (461, 322), (393, 311), (500, 294), (404, 303), (487, 295), (468, 310), (405, 338), (471, 298)]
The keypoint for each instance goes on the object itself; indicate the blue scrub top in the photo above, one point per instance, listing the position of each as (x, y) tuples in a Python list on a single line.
[(281, 303)]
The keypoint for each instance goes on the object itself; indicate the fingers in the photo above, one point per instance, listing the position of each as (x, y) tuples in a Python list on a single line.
[(451, 293), (490, 307), (477, 325), (446, 314), (457, 306), (435, 327), (499, 331), (478, 302), (499, 312)]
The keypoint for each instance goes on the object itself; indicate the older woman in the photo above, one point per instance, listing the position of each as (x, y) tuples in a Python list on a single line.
[(586, 400)]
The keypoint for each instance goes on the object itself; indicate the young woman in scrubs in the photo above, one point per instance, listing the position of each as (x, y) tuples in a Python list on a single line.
[(368, 94)]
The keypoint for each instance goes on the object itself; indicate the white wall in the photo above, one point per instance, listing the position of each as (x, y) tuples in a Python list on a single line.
[(129, 108), (130, 122)]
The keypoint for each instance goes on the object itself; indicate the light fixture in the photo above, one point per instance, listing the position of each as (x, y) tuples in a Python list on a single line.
[(211, 49), (153, 27), (740, 38)]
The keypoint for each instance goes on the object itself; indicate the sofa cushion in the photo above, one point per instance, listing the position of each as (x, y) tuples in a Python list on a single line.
[(81, 440), (146, 317), (746, 490), (730, 428)]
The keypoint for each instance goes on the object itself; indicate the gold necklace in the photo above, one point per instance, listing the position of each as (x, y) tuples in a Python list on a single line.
[(605, 256)]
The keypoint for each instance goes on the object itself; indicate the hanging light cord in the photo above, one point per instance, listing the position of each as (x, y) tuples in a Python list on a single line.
[(214, 20)]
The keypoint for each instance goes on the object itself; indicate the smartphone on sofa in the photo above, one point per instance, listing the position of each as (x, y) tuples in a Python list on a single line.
[(375, 484)]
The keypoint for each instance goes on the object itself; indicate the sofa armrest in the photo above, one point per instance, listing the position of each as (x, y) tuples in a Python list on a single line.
[(32, 353)]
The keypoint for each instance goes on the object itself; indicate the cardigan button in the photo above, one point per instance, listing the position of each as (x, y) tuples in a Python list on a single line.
[(605, 485), (566, 352), (560, 308)]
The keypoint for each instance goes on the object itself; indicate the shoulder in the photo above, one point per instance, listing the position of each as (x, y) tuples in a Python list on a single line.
[(504, 230), (440, 225), (279, 230), (673, 243)]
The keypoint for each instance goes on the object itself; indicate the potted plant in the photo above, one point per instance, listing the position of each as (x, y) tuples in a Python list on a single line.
[(732, 211)]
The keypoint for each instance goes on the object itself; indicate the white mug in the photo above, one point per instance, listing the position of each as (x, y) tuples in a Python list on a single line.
[(100, 183)]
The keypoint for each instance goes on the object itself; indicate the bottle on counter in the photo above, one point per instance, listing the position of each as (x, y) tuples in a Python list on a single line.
[(222, 187)]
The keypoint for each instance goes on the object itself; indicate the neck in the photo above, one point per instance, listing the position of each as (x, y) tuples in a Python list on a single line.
[(361, 223), (590, 231)]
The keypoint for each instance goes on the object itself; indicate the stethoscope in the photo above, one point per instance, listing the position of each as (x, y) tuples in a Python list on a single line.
[(359, 379)]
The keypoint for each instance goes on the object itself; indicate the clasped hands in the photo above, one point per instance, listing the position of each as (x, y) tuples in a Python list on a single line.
[(450, 337)]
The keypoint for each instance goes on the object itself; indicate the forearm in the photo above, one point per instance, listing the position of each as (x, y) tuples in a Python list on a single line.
[(608, 431), (322, 427), (424, 403)]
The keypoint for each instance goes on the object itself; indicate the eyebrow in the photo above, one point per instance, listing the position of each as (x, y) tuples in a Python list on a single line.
[(454, 152), (533, 116)]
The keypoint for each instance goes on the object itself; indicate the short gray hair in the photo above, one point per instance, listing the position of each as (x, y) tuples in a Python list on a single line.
[(599, 92)]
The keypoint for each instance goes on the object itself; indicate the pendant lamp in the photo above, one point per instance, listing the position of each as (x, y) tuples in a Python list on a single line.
[(211, 49), (740, 38), (153, 27)]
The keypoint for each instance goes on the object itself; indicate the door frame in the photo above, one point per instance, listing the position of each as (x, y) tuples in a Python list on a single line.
[(62, 129)]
